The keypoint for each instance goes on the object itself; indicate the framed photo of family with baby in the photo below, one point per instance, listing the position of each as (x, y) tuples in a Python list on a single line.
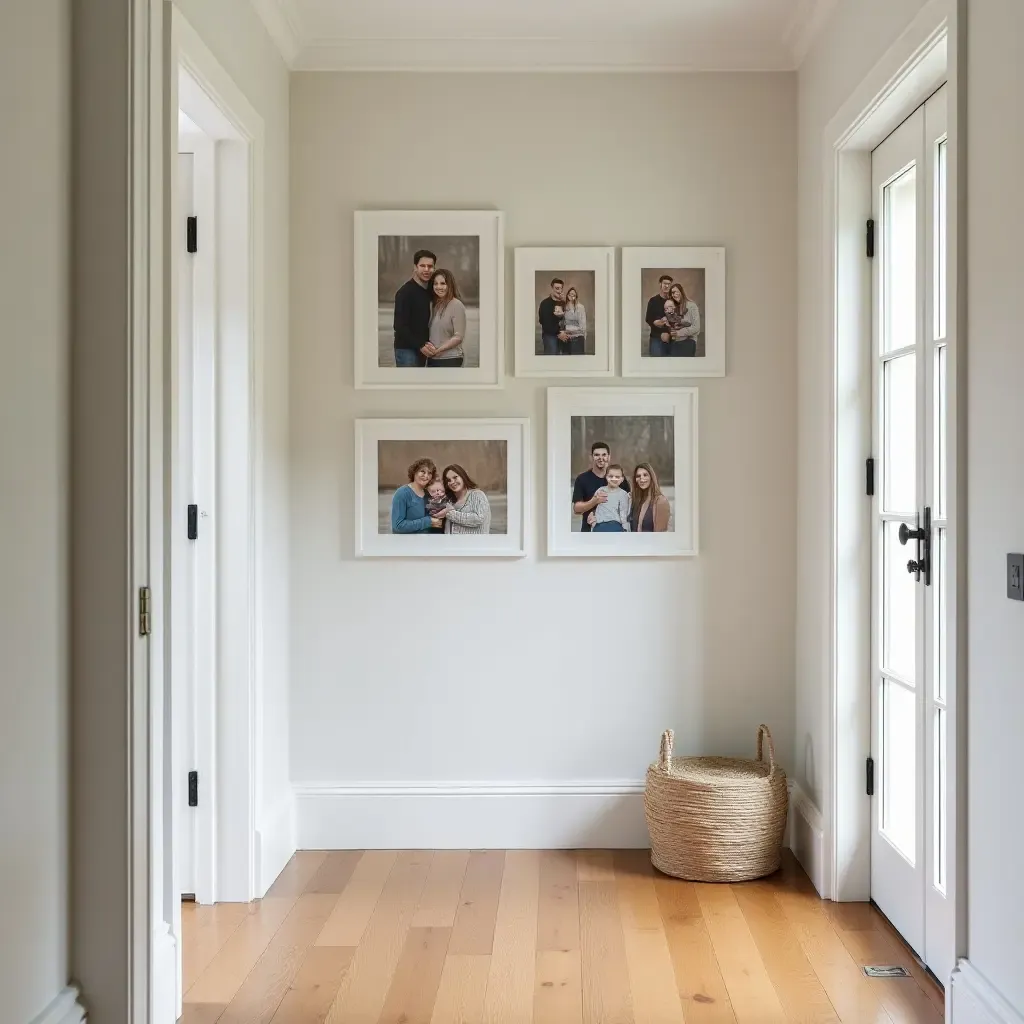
[(673, 311), (441, 488), (622, 472), (428, 299), (565, 312)]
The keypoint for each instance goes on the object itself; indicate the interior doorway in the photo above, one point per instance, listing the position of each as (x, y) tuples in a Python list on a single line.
[(211, 515), (910, 732)]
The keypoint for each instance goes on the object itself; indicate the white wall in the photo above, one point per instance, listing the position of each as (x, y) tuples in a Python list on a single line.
[(995, 493), (857, 35), (517, 676), (237, 38), (34, 67)]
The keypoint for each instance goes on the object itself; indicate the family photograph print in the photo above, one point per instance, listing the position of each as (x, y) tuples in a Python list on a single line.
[(673, 312), (439, 488), (623, 474), (672, 325), (428, 301), (564, 322)]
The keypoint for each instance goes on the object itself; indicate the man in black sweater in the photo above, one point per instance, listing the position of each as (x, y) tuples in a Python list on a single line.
[(412, 312), (551, 314), (656, 317)]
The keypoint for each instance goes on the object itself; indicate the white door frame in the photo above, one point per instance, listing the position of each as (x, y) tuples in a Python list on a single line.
[(229, 722), (924, 57)]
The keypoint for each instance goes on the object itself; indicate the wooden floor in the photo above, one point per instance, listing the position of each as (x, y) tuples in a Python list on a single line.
[(550, 938)]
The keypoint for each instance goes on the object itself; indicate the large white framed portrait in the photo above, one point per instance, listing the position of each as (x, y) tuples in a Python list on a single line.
[(442, 488), (622, 472), (673, 311), (565, 312), (429, 308)]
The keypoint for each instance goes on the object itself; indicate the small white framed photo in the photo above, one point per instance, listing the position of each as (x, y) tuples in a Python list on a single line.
[(622, 472), (442, 488), (673, 311), (565, 312), (428, 298)]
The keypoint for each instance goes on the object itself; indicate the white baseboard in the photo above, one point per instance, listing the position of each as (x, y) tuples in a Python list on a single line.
[(974, 1000), (164, 993), (474, 816), (805, 836), (65, 1009), (275, 844)]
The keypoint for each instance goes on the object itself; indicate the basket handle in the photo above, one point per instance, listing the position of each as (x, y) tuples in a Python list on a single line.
[(665, 757), (762, 732)]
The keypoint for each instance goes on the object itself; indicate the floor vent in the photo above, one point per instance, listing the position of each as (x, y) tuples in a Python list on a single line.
[(887, 971)]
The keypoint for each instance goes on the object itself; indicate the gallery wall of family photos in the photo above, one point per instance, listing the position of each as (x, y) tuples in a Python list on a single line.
[(622, 462)]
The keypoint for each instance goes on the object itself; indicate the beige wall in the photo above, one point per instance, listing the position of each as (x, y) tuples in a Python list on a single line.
[(704, 645), (34, 122), (995, 493)]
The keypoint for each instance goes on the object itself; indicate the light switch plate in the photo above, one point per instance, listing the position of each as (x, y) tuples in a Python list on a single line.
[(1015, 577)]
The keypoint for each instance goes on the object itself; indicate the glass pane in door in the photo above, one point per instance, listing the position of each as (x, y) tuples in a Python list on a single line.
[(899, 284), (899, 608), (899, 767), (899, 435)]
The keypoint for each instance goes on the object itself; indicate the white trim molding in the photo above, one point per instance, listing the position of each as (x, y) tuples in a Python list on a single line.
[(809, 19), (65, 1009), (279, 20), (805, 835), (275, 844), (973, 999), (471, 815)]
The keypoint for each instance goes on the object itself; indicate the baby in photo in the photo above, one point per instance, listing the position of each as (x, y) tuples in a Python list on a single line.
[(674, 320), (612, 516), (435, 501)]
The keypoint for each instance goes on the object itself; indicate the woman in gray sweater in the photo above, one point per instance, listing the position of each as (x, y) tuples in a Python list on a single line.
[(447, 322), (469, 511)]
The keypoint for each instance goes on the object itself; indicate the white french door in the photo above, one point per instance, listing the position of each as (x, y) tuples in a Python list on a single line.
[(910, 714)]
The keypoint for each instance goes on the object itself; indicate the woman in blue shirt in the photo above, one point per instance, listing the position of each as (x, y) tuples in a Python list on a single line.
[(409, 506)]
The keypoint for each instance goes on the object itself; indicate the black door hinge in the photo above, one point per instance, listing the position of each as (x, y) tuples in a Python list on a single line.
[(869, 477), (193, 522), (193, 789), (871, 776), (192, 234), (871, 240)]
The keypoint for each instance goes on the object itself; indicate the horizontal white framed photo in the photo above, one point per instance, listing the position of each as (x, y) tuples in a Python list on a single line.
[(429, 299), (673, 311), (565, 311), (442, 488), (622, 472)]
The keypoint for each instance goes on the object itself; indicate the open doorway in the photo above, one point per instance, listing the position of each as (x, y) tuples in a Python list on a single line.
[(212, 713)]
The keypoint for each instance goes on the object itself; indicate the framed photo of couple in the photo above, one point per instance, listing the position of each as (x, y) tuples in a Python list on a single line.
[(442, 487), (673, 312), (622, 472), (428, 299), (565, 312)]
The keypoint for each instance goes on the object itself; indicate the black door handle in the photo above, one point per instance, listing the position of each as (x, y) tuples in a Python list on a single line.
[(922, 565)]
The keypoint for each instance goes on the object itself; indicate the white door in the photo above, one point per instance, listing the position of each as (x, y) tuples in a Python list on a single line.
[(909, 693)]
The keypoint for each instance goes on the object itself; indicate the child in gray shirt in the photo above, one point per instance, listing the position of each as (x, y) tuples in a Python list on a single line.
[(612, 516)]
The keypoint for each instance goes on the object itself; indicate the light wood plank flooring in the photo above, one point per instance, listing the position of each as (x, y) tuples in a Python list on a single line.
[(549, 937)]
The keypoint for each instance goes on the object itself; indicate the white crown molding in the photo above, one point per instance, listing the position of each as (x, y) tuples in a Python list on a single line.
[(65, 1009), (282, 23), (804, 27), (530, 54)]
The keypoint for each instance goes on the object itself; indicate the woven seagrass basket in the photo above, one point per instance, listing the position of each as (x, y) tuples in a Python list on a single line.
[(716, 819)]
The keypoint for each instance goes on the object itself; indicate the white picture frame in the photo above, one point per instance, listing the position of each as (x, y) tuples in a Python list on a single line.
[(702, 265), (440, 434), (565, 404), (371, 293), (571, 264)]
